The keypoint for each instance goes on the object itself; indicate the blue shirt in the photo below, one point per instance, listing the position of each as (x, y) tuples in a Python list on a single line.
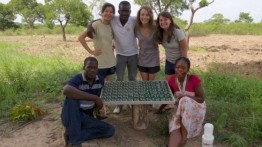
[(79, 81)]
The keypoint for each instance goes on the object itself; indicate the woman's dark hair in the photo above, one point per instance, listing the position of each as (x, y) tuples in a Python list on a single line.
[(90, 58), (108, 5), (172, 27), (183, 59)]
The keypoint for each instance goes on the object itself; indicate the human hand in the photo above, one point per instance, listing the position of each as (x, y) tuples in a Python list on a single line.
[(99, 103), (179, 95), (97, 52)]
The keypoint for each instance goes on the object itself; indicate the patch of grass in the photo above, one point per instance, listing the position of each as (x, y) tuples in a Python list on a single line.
[(26, 78), (233, 106), (40, 79), (198, 49)]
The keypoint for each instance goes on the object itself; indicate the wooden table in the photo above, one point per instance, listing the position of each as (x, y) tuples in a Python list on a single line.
[(139, 94)]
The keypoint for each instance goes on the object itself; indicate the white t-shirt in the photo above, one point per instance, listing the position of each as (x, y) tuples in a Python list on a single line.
[(124, 36)]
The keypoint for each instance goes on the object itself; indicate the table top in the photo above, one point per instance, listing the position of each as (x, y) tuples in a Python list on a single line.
[(137, 92)]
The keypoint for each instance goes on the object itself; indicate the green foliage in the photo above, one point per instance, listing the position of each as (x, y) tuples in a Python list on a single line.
[(42, 30), (71, 11), (237, 141), (198, 49), (221, 121), (67, 12), (233, 106), (231, 28), (30, 10), (218, 18), (7, 17), (25, 112), (49, 24), (181, 23), (24, 78), (173, 6), (245, 17), (203, 3), (162, 124)]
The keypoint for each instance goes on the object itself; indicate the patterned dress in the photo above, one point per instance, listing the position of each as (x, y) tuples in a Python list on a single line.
[(189, 112)]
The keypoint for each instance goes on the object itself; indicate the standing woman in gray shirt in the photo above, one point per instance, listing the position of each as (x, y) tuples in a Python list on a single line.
[(146, 33), (172, 39), (174, 42)]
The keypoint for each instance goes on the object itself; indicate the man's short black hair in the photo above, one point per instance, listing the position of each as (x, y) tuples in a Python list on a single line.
[(90, 58), (124, 3)]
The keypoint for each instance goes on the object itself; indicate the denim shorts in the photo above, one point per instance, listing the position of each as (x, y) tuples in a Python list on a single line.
[(169, 68), (150, 70), (103, 72)]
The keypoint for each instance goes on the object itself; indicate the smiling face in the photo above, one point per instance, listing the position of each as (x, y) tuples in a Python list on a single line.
[(124, 12), (108, 13), (181, 69), (164, 22), (144, 16)]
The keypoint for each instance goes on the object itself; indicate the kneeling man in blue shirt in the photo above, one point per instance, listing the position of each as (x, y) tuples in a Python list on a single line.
[(82, 96)]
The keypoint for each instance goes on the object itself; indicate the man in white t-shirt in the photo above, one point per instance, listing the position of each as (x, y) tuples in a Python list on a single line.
[(126, 48)]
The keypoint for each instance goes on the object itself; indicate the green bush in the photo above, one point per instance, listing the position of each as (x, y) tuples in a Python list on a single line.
[(25, 112)]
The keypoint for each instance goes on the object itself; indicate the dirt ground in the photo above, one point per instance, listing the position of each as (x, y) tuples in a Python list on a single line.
[(234, 53)]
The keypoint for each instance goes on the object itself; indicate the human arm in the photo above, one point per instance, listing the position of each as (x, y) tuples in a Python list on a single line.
[(182, 41), (184, 47), (90, 30), (199, 93), (82, 40), (77, 94)]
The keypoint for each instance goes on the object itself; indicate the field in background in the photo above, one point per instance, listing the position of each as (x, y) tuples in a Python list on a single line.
[(34, 68)]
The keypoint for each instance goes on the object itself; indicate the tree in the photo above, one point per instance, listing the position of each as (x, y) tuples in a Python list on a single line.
[(172, 6), (96, 5), (245, 17), (67, 12), (7, 17), (218, 18), (201, 4), (30, 10)]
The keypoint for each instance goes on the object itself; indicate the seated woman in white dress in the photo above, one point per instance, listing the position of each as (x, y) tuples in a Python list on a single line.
[(186, 121)]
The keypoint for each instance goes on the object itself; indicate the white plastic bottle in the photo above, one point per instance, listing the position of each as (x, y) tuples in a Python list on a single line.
[(207, 137)]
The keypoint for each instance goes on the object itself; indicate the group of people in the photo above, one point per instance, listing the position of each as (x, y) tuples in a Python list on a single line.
[(115, 48)]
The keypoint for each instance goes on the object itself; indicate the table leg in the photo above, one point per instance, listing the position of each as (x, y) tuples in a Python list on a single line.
[(140, 117)]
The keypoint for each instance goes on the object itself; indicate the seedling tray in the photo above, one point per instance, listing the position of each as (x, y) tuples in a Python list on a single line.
[(137, 92)]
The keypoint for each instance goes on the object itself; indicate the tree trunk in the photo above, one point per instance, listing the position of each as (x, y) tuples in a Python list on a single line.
[(63, 32), (140, 118)]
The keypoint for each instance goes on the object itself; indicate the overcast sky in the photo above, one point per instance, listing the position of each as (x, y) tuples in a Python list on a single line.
[(229, 8)]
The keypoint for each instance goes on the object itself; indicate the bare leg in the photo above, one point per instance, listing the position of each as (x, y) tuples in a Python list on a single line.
[(184, 134), (151, 77), (160, 109), (144, 76), (175, 138), (108, 78)]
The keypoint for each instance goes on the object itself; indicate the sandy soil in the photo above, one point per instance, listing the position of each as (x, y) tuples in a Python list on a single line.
[(235, 53)]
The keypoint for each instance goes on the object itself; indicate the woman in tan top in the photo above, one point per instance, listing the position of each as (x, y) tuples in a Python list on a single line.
[(102, 41)]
